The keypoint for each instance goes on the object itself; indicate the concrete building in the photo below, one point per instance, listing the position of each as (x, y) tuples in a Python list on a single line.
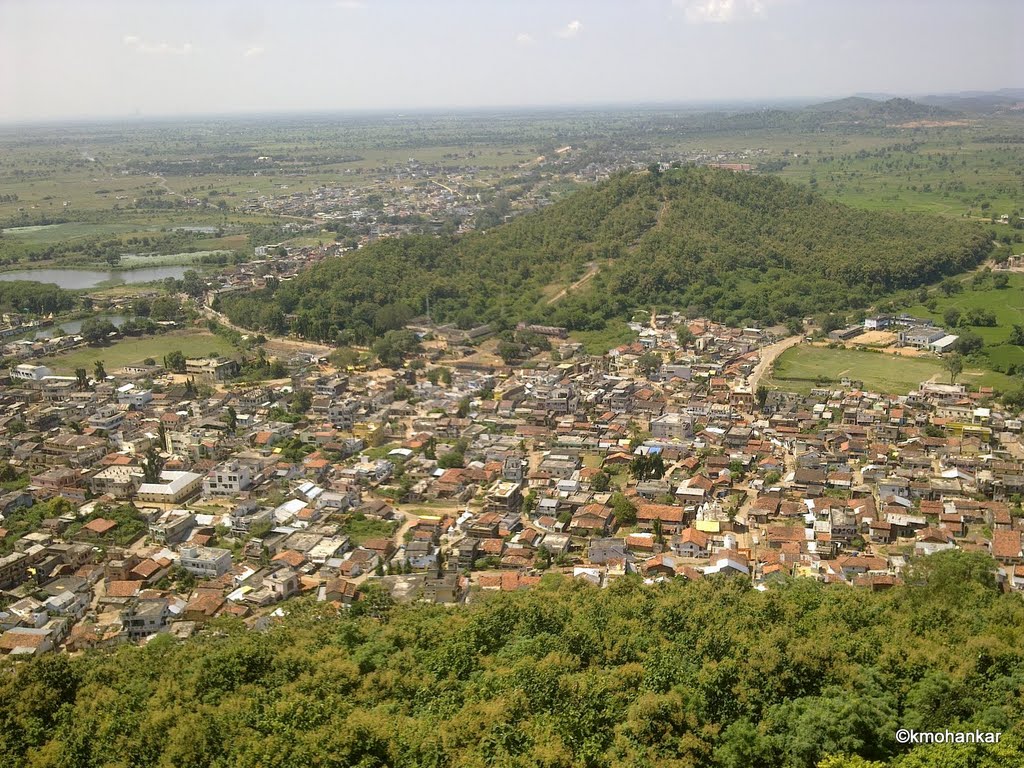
[(206, 562)]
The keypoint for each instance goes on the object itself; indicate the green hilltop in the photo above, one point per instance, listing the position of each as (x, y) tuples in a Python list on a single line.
[(740, 248), (675, 675)]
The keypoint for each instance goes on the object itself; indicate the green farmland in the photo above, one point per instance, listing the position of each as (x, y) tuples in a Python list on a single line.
[(1007, 304)]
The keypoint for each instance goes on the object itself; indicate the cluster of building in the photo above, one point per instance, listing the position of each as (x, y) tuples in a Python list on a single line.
[(179, 508)]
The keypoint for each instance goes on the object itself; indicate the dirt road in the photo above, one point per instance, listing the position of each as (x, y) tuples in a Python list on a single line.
[(591, 271), (295, 345), (768, 356)]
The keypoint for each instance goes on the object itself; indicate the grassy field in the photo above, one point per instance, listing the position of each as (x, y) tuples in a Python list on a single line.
[(945, 171), (801, 368), (615, 334), (1007, 304), (191, 343)]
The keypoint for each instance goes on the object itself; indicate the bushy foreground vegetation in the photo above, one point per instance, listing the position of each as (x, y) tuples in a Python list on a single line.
[(678, 674), (735, 247)]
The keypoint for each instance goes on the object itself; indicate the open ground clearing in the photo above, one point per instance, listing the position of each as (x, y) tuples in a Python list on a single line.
[(190, 343)]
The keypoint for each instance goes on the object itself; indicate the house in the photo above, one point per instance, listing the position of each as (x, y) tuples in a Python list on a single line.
[(592, 517), (206, 562), (217, 368), (228, 479), (602, 551), (728, 563), (1006, 547), (690, 543), (146, 617), (670, 518), (920, 336), (341, 591), (173, 488)]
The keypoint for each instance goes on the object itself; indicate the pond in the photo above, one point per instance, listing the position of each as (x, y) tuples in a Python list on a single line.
[(72, 327), (79, 279)]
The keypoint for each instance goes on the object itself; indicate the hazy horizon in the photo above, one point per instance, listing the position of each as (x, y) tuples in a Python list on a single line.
[(114, 59)]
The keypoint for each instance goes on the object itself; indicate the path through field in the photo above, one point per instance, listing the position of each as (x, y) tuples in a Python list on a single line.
[(592, 269)]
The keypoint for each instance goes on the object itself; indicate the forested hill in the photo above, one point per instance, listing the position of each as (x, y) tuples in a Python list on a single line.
[(740, 248), (677, 675)]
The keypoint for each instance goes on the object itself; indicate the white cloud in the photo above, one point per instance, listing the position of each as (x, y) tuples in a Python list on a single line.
[(571, 29), (525, 38), (720, 11), (255, 50), (139, 45), (350, 5)]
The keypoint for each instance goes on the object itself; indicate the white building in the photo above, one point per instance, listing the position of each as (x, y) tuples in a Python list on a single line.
[(206, 562), (27, 372), (228, 479)]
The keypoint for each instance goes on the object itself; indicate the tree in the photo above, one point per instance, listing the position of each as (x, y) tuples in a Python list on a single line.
[(543, 559), (949, 286), (393, 346), (953, 573), (302, 399), (95, 330), (231, 418), (969, 343), (175, 361), (152, 466), (1000, 281), (530, 502), (99, 372), (600, 482), (451, 460), (1017, 335), (82, 378), (954, 363), (623, 510), (951, 317), (649, 363), (165, 308), (192, 284), (684, 336), (761, 395), (509, 352), (647, 467)]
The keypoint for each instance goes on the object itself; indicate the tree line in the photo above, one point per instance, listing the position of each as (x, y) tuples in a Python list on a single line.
[(708, 673)]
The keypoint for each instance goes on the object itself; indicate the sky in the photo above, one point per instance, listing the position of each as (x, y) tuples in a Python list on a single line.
[(119, 58)]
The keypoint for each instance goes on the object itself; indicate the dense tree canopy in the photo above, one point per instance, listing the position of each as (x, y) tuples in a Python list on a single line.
[(740, 248), (709, 673), (30, 296)]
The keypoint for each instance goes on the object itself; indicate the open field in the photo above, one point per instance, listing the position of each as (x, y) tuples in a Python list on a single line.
[(801, 368), (1007, 304), (945, 171), (191, 343), (615, 334)]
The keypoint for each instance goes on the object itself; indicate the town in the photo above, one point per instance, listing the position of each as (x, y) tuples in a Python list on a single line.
[(155, 497)]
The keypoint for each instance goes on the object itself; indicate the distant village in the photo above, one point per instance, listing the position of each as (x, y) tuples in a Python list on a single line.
[(171, 499)]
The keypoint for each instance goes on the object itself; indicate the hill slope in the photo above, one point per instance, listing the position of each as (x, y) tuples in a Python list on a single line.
[(711, 673), (742, 248), (889, 110)]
